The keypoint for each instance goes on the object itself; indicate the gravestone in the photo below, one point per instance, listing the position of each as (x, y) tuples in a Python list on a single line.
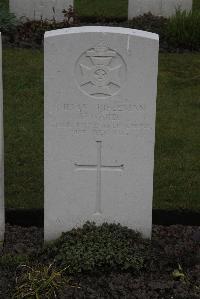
[(37, 9), (100, 105), (165, 8), (2, 212)]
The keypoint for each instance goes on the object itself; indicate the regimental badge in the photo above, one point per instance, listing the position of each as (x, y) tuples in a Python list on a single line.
[(100, 71)]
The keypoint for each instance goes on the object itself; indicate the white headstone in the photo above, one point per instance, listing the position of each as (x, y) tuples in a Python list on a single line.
[(2, 212), (165, 8), (37, 9), (100, 106)]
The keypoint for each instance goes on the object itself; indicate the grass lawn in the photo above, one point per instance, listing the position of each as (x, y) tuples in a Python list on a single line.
[(177, 163), (106, 8), (23, 122), (196, 4)]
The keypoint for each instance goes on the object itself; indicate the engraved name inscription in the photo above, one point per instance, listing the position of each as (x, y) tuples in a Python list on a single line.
[(102, 119)]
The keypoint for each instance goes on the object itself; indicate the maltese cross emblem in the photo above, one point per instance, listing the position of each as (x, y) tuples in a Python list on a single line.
[(100, 71)]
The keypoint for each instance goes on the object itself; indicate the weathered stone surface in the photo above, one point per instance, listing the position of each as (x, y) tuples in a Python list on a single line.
[(100, 105), (2, 212), (37, 9), (164, 8)]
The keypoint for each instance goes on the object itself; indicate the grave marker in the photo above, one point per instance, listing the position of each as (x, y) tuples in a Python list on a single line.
[(2, 212), (100, 101)]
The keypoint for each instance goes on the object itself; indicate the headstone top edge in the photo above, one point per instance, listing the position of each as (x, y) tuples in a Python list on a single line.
[(103, 29)]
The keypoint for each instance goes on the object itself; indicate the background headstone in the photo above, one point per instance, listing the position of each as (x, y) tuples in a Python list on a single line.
[(35, 9), (2, 212), (100, 106), (165, 8)]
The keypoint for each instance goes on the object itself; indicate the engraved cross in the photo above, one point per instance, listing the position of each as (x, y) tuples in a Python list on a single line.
[(98, 168)]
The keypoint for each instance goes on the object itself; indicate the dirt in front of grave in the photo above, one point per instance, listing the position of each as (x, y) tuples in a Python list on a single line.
[(170, 246)]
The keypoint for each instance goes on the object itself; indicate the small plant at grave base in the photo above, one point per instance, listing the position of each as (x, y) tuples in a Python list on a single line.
[(33, 31), (178, 274), (70, 16), (151, 23), (8, 21), (183, 30), (39, 282), (95, 248), (12, 261)]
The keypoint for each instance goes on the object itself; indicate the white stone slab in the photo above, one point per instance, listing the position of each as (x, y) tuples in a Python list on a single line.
[(164, 8), (2, 212), (37, 9), (100, 105)]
